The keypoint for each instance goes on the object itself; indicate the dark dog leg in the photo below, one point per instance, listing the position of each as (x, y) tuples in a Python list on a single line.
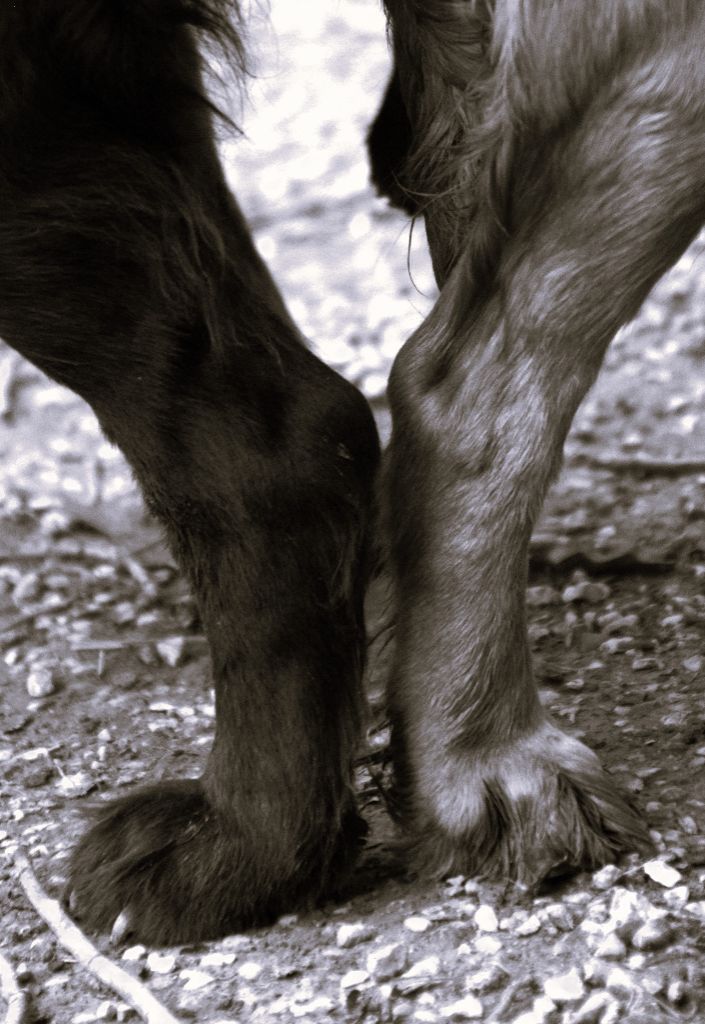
[(127, 273)]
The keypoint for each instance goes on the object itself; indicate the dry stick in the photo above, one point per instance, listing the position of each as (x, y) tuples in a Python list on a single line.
[(72, 938), (642, 464), (12, 993), (507, 998), (134, 641)]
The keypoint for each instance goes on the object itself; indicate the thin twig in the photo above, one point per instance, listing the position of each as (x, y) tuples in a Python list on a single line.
[(129, 989), (642, 464), (133, 641), (508, 996), (13, 995)]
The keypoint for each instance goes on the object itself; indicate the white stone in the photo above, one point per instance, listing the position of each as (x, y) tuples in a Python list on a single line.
[(352, 979), (485, 918), (490, 945), (107, 1010), (351, 934), (249, 970), (427, 968), (677, 897), (387, 961), (620, 982), (161, 963), (40, 682), (318, 1005), (468, 1008), (528, 927), (217, 959), (652, 935), (627, 912), (171, 650), (542, 1011), (195, 980), (661, 873), (592, 1010), (417, 923), (564, 988), (611, 947), (134, 953)]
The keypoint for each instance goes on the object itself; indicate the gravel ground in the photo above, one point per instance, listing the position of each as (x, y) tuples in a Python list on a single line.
[(104, 672)]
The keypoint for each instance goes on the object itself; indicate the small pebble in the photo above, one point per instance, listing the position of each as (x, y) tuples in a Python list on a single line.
[(314, 1008), (24, 973), (643, 664), (671, 620), (161, 963), (627, 911), (592, 1010), (677, 992), (171, 650), (27, 589), (611, 948), (595, 972), (387, 961), (40, 682), (541, 596), (586, 590), (617, 644), (490, 945), (543, 1011), (373, 386), (353, 979), (620, 982), (677, 897), (564, 988), (652, 935), (217, 960), (417, 924), (106, 1010), (134, 953), (530, 926), (485, 918), (427, 968), (662, 873), (616, 623), (468, 1008), (487, 979), (606, 877), (195, 980), (351, 934), (250, 970), (560, 916)]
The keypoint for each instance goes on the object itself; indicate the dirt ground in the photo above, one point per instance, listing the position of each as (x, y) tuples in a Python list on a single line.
[(104, 674)]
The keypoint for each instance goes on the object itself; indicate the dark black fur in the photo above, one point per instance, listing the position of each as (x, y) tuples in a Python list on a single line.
[(128, 274), (389, 146)]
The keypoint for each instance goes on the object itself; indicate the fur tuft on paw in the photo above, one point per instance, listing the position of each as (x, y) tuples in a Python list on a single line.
[(538, 809), (166, 861)]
